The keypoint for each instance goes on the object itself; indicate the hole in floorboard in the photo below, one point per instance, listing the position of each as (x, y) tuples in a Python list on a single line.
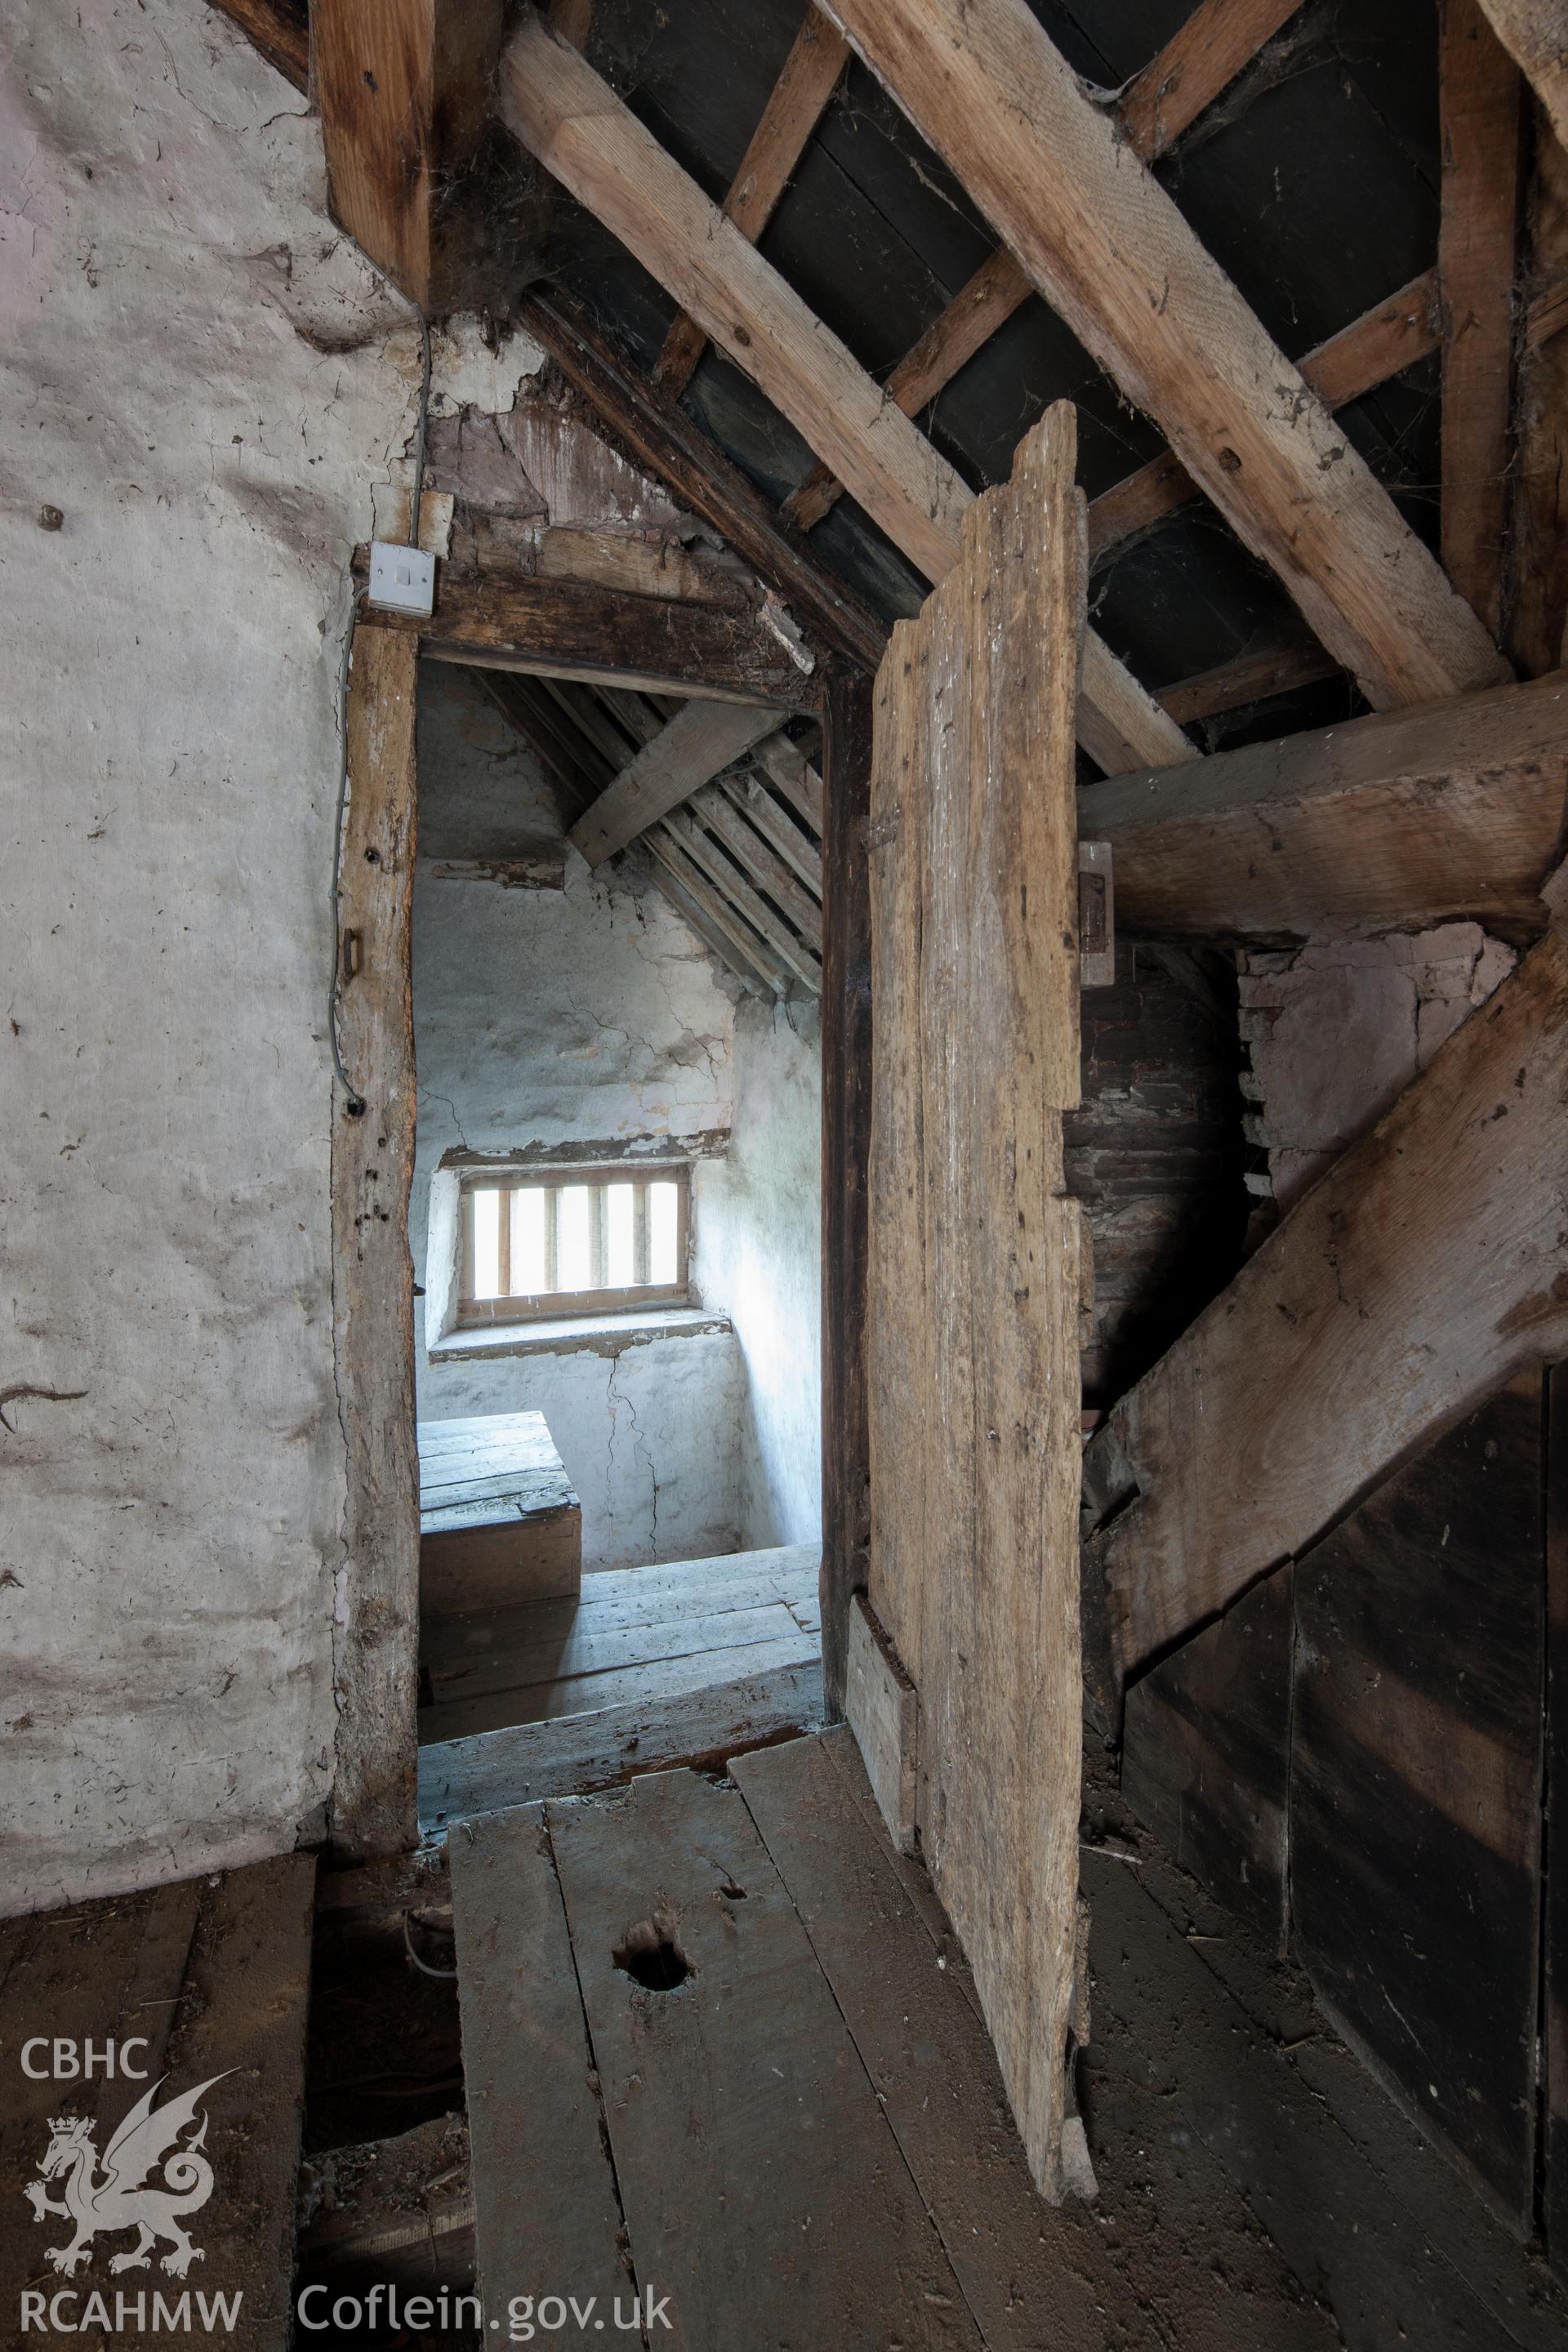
[(651, 1958)]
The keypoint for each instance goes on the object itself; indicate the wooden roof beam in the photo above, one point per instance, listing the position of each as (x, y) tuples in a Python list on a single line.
[(1405, 818), (1157, 106), (1384, 341), (1428, 1267), (1114, 255), (577, 127), (799, 98), (1254, 676), (416, 171), (1218, 41), (700, 739), (581, 768), (658, 435)]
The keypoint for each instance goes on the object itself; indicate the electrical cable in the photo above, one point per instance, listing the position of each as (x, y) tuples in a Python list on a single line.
[(423, 1967), (354, 1102), (419, 444)]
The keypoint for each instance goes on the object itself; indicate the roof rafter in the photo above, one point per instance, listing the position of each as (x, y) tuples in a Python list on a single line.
[(562, 111), (984, 84), (1384, 341), (799, 98), (690, 748), (1215, 45)]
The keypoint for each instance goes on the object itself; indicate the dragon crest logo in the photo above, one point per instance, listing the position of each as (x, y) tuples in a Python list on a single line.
[(126, 2194)]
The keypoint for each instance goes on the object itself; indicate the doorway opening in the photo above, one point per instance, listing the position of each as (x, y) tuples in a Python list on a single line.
[(615, 1228)]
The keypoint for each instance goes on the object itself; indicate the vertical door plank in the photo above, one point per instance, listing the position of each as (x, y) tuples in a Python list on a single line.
[(974, 1292)]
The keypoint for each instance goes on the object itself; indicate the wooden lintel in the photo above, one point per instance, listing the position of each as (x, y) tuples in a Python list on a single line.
[(568, 628), (1407, 817), (1424, 1269)]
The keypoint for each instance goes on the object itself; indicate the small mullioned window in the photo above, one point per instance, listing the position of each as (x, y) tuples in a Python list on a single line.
[(573, 1241)]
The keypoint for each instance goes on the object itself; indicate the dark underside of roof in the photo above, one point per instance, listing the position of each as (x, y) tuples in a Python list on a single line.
[(1313, 181)]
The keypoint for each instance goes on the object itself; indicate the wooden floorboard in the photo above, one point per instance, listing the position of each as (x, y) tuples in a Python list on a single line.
[(546, 2215), (762, 2185), (459, 1778), (214, 1972), (632, 1634), (1171, 2024), (1033, 2277)]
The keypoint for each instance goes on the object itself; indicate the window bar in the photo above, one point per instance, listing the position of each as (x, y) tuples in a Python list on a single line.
[(598, 1223), (503, 1244), (639, 1229), (551, 1238), (470, 1281)]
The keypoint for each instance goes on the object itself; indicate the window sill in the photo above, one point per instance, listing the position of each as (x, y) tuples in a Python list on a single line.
[(599, 1335)]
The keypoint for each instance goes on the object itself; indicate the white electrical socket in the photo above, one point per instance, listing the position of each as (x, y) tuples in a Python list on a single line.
[(402, 578)]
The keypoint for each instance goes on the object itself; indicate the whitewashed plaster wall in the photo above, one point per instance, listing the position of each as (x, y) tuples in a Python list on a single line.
[(205, 380), (587, 1014), (759, 1257)]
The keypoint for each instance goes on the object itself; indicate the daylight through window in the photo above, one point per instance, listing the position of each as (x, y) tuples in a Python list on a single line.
[(578, 1241)]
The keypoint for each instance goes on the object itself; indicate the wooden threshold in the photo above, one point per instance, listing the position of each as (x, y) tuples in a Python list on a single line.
[(580, 1753)]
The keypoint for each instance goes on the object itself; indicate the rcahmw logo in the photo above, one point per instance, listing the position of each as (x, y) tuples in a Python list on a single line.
[(152, 2176)]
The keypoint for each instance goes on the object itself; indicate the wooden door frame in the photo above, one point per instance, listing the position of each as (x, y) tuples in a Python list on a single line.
[(376, 1598), (847, 1014)]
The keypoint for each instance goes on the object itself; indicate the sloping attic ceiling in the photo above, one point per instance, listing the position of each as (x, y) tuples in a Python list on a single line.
[(1313, 181)]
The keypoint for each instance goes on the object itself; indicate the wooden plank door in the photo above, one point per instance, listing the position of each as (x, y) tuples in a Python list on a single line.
[(972, 1337)]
